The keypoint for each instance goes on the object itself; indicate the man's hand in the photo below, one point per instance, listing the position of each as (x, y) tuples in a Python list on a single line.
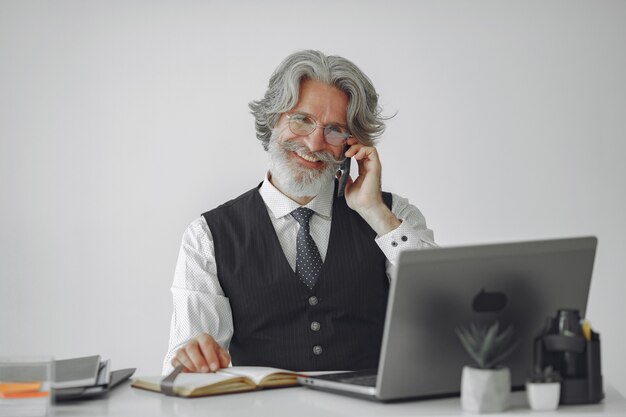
[(201, 354), (364, 194)]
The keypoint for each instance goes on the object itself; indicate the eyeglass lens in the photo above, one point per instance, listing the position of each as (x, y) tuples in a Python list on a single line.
[(301, 124)]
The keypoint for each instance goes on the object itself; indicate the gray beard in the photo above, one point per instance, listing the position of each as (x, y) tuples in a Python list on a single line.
[(294, 179)]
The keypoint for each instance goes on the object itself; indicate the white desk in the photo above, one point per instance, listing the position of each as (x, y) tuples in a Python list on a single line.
[(302, 402)]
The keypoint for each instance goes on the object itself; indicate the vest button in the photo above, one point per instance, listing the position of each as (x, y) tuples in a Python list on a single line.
[(394, 243), (315, 326), (313, 300), (317, 350)]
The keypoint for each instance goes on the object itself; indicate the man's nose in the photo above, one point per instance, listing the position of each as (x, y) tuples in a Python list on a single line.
[(315, 140)]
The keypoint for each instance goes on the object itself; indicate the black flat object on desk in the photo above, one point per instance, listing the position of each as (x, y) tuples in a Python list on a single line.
[(82, 393)]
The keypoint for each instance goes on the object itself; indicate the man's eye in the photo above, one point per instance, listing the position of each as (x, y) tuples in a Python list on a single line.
[(305, 120), (338, 131)]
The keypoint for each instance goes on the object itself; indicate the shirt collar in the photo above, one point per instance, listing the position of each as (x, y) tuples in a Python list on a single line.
[(280, 205)]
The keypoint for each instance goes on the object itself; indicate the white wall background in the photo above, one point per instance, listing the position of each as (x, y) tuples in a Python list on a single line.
[(120, 122)]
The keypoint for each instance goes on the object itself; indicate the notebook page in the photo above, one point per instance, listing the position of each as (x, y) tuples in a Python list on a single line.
[(255, 373)]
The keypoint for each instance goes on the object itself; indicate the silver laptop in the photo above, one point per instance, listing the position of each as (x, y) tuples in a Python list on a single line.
[(436, 290)]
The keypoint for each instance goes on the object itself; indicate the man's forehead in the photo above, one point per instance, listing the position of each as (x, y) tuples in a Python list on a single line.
[(322, 101)]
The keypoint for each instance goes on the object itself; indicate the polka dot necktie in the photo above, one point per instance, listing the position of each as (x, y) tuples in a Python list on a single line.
[(308, 259)]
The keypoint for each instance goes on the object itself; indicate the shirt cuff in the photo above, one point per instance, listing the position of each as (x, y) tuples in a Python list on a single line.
[(402, 238)]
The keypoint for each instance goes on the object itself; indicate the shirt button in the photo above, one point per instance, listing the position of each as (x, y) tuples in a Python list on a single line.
[(313, 300), (317, 350), (394, 243), (315, 326), (404, 238)]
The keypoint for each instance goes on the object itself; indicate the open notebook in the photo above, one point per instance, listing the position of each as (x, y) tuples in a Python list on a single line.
[(224, 381)]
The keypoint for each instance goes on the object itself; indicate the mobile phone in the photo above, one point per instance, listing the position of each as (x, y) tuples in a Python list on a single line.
[(344, 169)]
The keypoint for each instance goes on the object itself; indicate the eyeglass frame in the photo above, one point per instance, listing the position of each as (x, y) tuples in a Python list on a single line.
[(316, 125)]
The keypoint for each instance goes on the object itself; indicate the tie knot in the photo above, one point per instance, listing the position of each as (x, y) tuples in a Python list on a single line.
[(302, 216)]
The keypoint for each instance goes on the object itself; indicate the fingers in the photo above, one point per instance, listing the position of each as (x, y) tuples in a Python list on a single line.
[(175, 362), (366, 158), (197, 357), (361, 152), (364, 191), (202, 354), (209, 349), (352, 141), (182, 358)]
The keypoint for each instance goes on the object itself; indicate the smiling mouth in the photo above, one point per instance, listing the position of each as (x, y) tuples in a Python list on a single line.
[(308, 160), (307, 157)]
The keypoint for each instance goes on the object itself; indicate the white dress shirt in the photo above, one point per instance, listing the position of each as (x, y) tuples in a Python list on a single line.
[(200, 305)]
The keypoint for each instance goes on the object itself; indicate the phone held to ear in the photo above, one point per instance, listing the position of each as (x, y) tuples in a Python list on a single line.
[(344, 169)]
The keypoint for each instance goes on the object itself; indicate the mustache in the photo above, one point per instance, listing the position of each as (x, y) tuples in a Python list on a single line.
[(323, 156)]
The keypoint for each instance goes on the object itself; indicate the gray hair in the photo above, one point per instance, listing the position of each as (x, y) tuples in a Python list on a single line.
[(364, 114)]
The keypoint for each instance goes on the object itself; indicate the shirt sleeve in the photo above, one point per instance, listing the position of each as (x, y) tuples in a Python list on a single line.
[(200, 305), (411, 234)]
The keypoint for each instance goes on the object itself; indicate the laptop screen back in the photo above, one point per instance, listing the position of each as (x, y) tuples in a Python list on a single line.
[(434, 291)]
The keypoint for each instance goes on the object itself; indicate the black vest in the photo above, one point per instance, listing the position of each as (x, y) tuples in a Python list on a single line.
[(278, 321)]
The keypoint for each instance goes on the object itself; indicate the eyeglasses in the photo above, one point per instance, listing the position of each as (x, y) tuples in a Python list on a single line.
[(302, 124)]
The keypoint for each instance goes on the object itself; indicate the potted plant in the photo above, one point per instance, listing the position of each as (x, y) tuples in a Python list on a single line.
[(543, 389), (487, 387)]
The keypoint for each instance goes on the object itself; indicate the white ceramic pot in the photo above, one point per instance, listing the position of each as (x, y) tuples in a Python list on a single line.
[(485, 390), (543, 396)]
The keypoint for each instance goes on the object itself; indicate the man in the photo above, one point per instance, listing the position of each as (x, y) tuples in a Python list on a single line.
[(288, 274)]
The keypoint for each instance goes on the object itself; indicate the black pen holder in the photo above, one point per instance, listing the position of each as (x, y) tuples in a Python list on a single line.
[(578, 362)]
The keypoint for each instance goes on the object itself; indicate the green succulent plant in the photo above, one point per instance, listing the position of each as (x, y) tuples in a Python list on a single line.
[(483, 343), (545, 375)]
